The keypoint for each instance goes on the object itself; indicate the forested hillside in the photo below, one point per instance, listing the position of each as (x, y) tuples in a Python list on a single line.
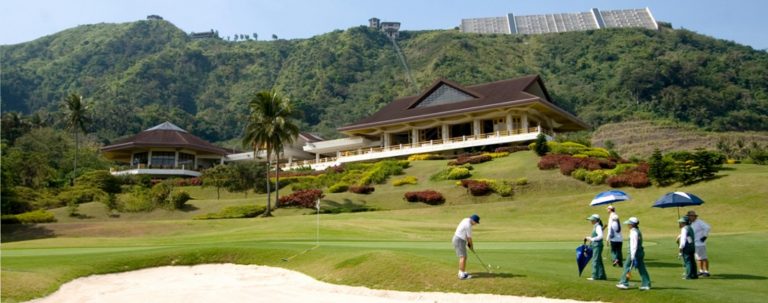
[(139, 74)]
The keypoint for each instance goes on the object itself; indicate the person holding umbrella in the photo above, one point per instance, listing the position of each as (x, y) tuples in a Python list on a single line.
[(686, 248), (614, 236), (701, 229), (596, 239), (635, 258), (462, 239)]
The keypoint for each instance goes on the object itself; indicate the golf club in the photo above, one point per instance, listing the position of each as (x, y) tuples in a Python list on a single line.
[(488, 268)]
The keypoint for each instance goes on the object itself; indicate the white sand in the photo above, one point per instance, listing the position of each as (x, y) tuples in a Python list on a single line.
[(242, 283)]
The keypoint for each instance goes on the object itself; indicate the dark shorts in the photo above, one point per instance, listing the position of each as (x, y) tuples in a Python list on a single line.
[(460, 245)]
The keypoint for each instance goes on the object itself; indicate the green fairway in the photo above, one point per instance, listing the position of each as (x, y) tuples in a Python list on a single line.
[(531, 237)]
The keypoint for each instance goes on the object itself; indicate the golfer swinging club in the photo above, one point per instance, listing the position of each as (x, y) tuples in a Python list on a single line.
[(463, 239)]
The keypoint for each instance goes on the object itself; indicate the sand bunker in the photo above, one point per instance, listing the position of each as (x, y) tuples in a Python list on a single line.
[(242, 283)]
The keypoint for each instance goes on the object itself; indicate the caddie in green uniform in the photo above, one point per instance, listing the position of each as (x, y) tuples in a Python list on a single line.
[(687, 249), (636, 257), (598, 270)]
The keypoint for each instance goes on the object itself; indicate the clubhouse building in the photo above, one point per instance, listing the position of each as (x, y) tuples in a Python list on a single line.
[(446, 118)]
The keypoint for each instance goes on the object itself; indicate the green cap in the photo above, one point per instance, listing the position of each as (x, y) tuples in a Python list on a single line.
[(593, 217), (683, 219)]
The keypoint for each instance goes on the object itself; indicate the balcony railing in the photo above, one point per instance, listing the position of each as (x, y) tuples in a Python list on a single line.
[(330, 161)]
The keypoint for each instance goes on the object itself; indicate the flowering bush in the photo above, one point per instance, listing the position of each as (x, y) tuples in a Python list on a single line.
[(462, 159), (430, 197), (302, 198), (425, 157), (405, 180), (364, 189), (495, 155)]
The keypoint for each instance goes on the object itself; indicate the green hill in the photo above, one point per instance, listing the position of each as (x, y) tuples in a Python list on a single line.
[(140, 73)]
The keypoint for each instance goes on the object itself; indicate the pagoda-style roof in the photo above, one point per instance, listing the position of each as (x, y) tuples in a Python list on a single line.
[(164, 135), (446, 98)]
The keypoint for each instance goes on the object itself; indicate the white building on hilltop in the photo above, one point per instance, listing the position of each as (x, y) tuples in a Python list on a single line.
[(558, 23)]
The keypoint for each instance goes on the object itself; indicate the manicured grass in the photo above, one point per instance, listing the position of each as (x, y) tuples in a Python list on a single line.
[(531, 236)]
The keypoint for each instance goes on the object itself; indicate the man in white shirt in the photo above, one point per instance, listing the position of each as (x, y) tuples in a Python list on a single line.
[(462, 239), (614, 236), (701, 230)]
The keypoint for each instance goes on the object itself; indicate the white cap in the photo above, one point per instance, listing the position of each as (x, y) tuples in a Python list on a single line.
[(632, 220)]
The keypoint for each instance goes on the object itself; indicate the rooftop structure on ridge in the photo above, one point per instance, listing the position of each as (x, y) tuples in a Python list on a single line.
[(557, 23), (392, 29)]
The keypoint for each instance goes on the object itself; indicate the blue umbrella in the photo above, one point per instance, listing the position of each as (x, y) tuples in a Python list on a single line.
[(608, 197), (583, 255), (677, 199)]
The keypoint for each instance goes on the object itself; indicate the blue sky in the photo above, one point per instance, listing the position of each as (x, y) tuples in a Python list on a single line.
[(742, 21)]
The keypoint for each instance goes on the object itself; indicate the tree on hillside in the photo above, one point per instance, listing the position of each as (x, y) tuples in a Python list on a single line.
[(541, 145), (76, 116), (269, 127)]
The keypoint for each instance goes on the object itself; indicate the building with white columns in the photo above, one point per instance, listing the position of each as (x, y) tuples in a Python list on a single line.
[(449, 117)]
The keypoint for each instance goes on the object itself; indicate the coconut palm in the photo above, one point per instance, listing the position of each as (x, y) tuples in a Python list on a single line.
[(269, 127), (76, 116)]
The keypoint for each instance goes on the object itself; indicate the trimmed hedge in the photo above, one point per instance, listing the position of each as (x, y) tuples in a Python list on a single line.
[(405, 180), (35, 216), (430, 197), (338, 188), (179, 198), (363, 190), (302, 198), (463, 159), (418, 157), (234, 212)]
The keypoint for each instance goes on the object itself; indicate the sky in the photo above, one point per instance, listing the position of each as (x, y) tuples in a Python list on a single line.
[(742, 21)]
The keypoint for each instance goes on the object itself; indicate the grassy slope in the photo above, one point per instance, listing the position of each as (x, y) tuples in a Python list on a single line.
[(640, 138), (530, 236)]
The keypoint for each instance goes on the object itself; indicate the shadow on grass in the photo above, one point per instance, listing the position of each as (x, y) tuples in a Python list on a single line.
[(663, 264), (736, 277), (188, 208), (348, 206), (23, 232), (485, 275)]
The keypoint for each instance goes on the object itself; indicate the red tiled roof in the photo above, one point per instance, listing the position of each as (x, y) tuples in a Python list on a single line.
[(486, 96), (165, 137)]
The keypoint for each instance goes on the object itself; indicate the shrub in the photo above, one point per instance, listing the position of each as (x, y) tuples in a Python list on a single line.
[(457, 173), (405, 180), (302, 198), (596, 152), (80, 194), (425, 157), (35, 216), (521, 181), (364, 190), (100, 179), (541, 146), (495, 155), (463, 159), (512, 149), (160, 193), (503, 188), (380, 171), (430, 197), (596, 177), (338, 188), (477, 187), (137, 201), (234, 212), (580, 174), (179, 198)]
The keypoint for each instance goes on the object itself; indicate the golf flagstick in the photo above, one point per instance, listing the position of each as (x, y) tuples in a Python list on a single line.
[(317, 237)]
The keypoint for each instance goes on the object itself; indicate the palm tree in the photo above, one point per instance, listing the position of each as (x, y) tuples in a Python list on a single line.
[(269, 127), (76, 115)]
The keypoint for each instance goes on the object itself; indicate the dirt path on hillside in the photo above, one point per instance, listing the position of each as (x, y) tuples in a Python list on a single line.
[(242, 283)]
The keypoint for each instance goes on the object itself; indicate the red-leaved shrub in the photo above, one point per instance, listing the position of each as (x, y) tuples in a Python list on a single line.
[(364, 189), (511, 149), (430, 197), (476, 188), (463, 159), (302, 198)]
